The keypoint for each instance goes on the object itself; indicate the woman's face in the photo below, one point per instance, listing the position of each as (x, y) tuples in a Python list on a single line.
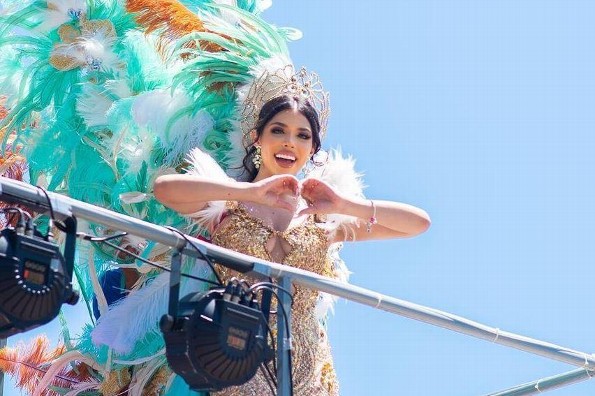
[(286, 144)]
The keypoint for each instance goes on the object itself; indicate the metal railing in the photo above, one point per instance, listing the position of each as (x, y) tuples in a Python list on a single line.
[(25, 194)]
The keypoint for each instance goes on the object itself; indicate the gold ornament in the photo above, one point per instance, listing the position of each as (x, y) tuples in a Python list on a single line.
[(284, 82), (69, 53)]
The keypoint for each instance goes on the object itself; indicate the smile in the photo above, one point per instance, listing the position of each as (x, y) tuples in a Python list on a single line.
[(285, 160)]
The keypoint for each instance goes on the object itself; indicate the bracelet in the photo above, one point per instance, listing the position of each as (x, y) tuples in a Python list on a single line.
[(373, 219)]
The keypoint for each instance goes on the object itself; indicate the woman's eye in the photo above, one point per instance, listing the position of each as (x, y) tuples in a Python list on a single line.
[(304, 136), (277, 130)]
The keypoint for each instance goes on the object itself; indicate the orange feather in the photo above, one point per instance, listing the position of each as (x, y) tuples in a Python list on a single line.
[(170, 16), (28, 363)]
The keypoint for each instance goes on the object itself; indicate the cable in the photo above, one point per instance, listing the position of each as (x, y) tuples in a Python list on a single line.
[(105, 240), (268, 379), (269, 285), (285, 319), (59, 225), (204, 256)]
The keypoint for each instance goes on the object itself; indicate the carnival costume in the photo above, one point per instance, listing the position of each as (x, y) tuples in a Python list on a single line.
[(103, 96)]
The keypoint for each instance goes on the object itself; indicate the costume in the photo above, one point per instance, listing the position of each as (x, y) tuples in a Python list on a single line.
[(104, 96), (313, 372)]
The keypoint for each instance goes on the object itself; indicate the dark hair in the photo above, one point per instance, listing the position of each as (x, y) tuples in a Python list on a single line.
[(269, 110)]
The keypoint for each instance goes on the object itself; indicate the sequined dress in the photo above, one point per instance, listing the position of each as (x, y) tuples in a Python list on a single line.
[(307, 243)]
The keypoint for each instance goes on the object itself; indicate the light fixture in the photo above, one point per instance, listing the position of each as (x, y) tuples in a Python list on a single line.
[(35, 278), (215, 339)]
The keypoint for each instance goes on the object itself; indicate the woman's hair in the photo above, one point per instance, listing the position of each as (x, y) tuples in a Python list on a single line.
[(269, 110)]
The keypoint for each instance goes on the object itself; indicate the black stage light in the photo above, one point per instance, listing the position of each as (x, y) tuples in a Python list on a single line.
[(216, 339), (35, 278)]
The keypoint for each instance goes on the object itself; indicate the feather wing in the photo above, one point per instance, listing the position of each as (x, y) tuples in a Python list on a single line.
[(129, 321)]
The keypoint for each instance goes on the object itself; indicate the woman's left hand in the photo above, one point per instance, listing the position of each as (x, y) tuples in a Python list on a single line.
[(321, 198)]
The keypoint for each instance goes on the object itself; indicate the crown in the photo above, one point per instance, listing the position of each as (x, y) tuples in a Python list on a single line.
[(284, 82)]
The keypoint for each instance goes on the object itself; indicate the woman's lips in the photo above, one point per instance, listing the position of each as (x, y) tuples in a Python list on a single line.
[(285, 160)]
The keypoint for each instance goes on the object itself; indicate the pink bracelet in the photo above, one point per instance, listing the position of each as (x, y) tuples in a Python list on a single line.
[(373, 219)]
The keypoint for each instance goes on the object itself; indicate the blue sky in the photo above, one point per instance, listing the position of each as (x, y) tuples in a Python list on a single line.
[(482, 113)]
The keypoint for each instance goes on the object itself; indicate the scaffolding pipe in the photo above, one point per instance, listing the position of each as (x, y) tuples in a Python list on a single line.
[(546, 384)]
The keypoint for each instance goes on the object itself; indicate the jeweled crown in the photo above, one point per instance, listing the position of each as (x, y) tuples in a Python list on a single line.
[(284, 82)]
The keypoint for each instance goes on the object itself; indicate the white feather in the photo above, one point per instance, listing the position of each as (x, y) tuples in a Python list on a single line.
[(92, 105), (77, 389), (133, 317), (59, 364), (153, 110), (202, 164), (142, 376), (118, 88), (339, 172), (133, 197), (57, 13), (98, 48)]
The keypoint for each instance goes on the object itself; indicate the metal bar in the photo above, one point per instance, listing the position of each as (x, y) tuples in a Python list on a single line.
[(26, 194), (546, 384), (284, 339), (427, 315)]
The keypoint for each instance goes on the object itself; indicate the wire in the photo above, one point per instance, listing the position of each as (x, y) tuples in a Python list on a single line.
[(268, 379), (269, 285), (59, 225), (265, 285), (105, 240), (12, 211), (204, 256)]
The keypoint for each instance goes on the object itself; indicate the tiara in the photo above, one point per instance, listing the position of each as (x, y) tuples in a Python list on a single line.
[(284, 82)]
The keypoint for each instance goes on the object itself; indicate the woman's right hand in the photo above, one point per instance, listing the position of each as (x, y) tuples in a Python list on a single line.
[(279, 191)]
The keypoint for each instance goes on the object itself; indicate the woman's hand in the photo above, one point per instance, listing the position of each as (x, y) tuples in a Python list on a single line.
[(279, 191), (321, 198)]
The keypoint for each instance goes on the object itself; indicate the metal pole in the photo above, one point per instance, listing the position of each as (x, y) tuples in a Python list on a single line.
[(284, 384), (428, 315), (546, 384), (28, 195)]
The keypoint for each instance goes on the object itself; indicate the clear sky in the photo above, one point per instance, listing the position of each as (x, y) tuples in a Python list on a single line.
[(483, 114)]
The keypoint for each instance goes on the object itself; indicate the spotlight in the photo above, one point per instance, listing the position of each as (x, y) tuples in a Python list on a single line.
[(35, 279), (216, 339)]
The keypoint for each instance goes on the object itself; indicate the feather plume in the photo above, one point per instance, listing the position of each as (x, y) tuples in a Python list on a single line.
[(83, 388), (144, 376), (138, 314), (339, 172), (28, 363), (59, 366), (59, 12), (93, 105), (170, 15), (202, 164), (162, 112)]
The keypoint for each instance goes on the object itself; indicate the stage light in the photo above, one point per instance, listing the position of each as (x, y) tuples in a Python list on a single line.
[(35, 278), (216, 339)]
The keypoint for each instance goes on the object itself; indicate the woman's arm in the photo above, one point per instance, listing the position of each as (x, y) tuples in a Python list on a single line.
[(377, 219), (188, 194)]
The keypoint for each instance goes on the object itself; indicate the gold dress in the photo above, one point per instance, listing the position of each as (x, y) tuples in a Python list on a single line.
[(312, 366)]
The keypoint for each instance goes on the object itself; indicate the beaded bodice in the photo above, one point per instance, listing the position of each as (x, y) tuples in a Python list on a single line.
[(304, 246)]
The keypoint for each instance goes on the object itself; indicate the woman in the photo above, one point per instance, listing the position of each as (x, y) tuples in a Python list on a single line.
[(276, 217)]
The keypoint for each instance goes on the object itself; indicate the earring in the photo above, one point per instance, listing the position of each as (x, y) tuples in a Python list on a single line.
[(257, 159), (308, 167)]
